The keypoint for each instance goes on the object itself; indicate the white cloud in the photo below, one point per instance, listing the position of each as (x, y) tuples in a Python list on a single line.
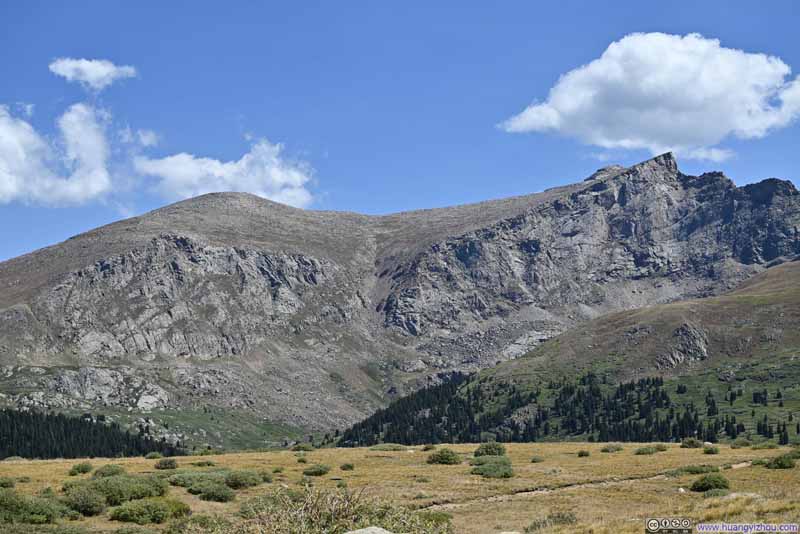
[(70, 172), (667, 92), (262, 171), (94, 74), (145, 138)]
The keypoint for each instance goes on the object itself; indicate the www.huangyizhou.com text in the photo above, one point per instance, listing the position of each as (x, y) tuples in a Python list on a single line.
[(748, 528)]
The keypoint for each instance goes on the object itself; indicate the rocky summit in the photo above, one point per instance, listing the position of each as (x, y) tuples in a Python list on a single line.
[(315, 318)]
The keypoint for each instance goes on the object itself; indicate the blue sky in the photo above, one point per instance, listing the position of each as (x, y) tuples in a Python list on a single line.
[(374, 107)]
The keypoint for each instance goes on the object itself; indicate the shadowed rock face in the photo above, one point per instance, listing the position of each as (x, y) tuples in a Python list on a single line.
[(313, 317)]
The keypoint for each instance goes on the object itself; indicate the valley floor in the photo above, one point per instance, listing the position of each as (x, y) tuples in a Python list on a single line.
[(606, 492)]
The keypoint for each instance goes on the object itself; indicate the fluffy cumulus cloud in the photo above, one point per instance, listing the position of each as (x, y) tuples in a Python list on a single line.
[(262, 170), (94, 74), (70, 170), (667, 92)]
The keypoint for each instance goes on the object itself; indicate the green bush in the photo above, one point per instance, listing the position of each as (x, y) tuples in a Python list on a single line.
[(204, 463), (347, 467), (153, 455), (80, 469), (121, 488), (710, 450), (697, 469), (388, 447), (316, 470), (444, 457), (552, 520), (612, 447), (85, 500), (661, 447), (322, 511), (719, 492), (429, 447), (108, 470), (243, 478), (490, 449), (691, 443), (147, 511), (781, 462), (492, 467), (166, 463), (764, 445), (186, 479), (710, 482), (209, 491), (199, 523), (16, 508), (278, 470), (265, 475), (7, 482), (583, 454), (645, 451), (302, 460), (303, 447), (739, 443), (537, 459)]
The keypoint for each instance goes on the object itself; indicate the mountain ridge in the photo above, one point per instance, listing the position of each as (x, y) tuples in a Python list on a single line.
[(316, 318)]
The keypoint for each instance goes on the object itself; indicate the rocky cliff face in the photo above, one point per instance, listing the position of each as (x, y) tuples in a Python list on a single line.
[(316, 318)]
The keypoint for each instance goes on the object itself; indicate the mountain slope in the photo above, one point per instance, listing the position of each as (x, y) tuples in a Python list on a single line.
[(736, 355), (229, 301)]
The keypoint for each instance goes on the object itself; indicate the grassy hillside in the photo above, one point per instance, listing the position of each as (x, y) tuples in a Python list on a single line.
[(730, 362)]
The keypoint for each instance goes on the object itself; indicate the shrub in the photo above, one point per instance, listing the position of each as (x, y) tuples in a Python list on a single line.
[(719, 492), (108, 470), (552, 520), (149, 511), (7, 482), (490, 449), (212, 491), (121, 488), (739, 443), (278, 470), (781, 462), (759, 461), (316, 470), (243, 478), (16, 508), (583, 454), (388, 447), (493, 467), (303, 447), (204, 463), (199, 523), (80, 469), (537, 459), (661, 447), (166, 463), (322, 511), (86, 500), (764, 445), (302, 460), (697, 469), (185, 480), (691, 443), (444, 457), (347, 467), (23, 479), (645, 451), (265, 475), (612, 447), (429, 447), (153, 455), (710, 450), (710, 482)]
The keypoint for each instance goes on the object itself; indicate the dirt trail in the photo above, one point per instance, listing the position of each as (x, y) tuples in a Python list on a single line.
[(546, 490)]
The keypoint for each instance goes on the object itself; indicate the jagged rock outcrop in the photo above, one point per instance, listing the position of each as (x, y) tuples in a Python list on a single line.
[(316, 318)]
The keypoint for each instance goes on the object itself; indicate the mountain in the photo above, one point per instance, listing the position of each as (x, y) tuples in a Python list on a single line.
[(732, 362), (229, 303)]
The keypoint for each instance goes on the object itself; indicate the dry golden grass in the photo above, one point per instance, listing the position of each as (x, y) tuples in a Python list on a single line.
[(607, 492)]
